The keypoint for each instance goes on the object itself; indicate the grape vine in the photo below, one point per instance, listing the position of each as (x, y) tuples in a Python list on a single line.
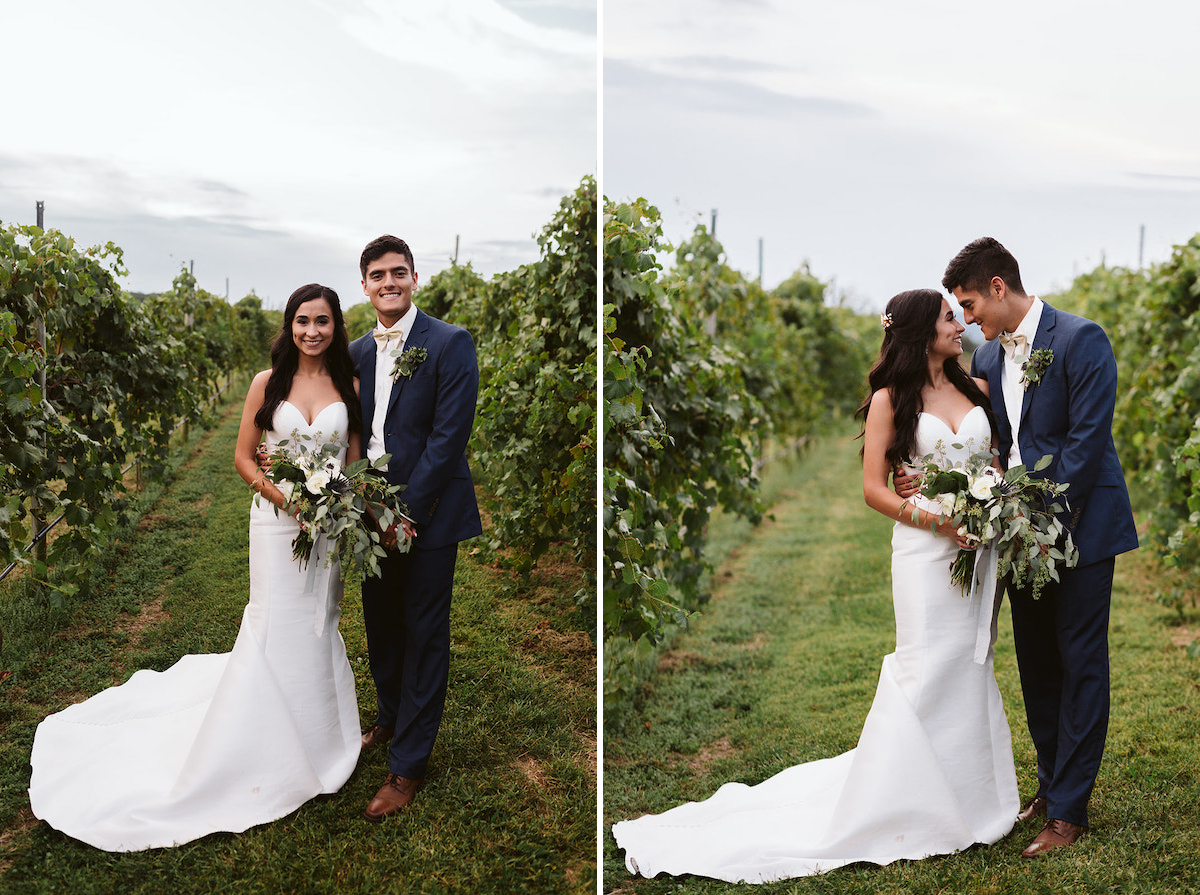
[(119, 373), (1153, 320), (702, 369)]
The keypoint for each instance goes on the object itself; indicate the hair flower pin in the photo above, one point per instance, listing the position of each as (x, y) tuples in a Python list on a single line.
[(885, 320)]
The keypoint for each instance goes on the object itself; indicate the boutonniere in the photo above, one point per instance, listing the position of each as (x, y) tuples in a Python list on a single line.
[(407, 362), (1034, 366)]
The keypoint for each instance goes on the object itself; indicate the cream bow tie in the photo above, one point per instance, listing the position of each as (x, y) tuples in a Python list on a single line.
[(384, 336), (1014, 343)]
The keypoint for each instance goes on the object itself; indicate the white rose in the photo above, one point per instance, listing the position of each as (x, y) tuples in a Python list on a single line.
[(981, 488), (948, 500), (286, 488), (317, 481)]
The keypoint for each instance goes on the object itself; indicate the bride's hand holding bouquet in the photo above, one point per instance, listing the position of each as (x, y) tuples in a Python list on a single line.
[(351, 505), (1013, 512)]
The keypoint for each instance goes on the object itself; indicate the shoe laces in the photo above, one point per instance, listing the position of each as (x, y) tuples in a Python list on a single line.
[(396, 782)]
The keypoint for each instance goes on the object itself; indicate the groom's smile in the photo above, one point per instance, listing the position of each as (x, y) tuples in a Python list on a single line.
[(981, 309), (389, 283)]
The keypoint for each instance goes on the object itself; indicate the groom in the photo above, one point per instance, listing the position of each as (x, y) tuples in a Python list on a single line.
[(419, 408), (1058, 402)]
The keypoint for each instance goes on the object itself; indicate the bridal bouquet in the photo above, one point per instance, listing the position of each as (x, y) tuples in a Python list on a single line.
[(350, 505), (1013, 512)]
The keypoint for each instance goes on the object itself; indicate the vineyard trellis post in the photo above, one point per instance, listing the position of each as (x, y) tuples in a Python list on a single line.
[(188, 319), (37, 511)]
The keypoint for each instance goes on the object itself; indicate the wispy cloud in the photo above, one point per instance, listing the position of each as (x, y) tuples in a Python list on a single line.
[(729, 64), (331, 122), (488, 48), (626, 83), (1174, 179), (578, 15)]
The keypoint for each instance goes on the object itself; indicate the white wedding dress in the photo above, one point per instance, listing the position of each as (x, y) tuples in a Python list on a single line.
[(217, 742), (933, 769)]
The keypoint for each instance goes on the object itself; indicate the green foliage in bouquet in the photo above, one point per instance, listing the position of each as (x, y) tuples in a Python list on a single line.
[(1014, 512), (350, 504)]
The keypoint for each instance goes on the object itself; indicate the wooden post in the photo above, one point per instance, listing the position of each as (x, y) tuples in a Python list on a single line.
[(38, 511), (188, 319)]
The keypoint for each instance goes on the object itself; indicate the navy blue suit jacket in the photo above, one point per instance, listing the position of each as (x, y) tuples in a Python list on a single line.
[(1069, 415), (428, 425)]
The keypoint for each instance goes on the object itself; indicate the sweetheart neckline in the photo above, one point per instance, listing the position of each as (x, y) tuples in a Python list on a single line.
[(960, 422), (318, 414)]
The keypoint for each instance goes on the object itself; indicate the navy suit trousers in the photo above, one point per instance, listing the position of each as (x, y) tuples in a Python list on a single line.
[(407, 617), (1062, 652)]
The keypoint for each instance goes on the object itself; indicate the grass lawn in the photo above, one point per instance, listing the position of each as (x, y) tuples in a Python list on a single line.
[(782, 666), (509, 804)]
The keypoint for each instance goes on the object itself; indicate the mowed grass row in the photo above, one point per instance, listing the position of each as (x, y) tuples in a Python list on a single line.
[(509, 802), (782, 666)]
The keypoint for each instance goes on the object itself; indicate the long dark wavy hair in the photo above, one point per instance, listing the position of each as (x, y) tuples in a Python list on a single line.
[(903, 366), (285, 359)]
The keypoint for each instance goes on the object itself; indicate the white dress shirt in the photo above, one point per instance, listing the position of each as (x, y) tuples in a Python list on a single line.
[(397, 337), (1014, 394)]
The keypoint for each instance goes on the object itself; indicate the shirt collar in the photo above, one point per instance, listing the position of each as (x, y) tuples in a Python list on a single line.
[(401, 327), (1029, 323)]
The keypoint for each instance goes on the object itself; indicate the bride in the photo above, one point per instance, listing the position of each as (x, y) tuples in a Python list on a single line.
[(933, 769), (222, 742)]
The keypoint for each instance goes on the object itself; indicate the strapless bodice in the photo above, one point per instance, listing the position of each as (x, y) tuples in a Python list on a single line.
[(950, 448), (329, 425)]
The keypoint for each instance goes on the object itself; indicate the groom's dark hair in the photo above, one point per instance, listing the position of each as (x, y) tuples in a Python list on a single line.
[(380, 246), (973, 268)]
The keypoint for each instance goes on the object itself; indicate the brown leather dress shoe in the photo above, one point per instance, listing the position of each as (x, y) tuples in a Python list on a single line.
[(1054, 834), (375, 736), (1036, 808), (396, 793)]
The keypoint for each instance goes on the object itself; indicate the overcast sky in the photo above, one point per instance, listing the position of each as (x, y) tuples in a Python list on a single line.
[(269, 140), (876, 138)]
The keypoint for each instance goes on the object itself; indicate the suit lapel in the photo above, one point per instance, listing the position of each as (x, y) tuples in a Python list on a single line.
[(366, 380), (989, 359), (416, 339), (1043, 339), (993, 360)]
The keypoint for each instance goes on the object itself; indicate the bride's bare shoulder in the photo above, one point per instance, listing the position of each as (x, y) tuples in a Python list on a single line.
[(881, 400), (258, 385)]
